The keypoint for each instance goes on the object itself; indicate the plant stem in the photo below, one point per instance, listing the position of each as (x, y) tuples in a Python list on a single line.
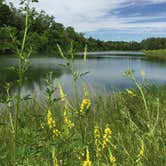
[(21, 68)]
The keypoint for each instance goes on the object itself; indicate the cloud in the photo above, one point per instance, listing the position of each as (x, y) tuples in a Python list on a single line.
[(94, 15), (155, 1)]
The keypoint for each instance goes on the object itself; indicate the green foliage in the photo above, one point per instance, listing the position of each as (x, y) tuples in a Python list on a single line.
[(45, 33), (156, 54), (154, 43), (125, 114)]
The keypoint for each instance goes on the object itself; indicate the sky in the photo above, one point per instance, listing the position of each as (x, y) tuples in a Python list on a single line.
[(115, 20)]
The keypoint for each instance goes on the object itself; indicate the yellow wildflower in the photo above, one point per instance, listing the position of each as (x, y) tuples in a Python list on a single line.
[(56, 132), (85, 105), (141, 152), (52, 124), (106, 137), (97, 137), (67, 121), (50, 120), (87, 161), (112, 159)]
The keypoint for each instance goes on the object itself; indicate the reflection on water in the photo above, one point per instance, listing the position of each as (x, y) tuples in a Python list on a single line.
[(105, 72)]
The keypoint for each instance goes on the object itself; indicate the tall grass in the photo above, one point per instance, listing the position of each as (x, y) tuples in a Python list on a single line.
[(121, 118)]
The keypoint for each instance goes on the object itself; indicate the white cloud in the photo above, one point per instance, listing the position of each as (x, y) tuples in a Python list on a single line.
[(155, 1), (93, 15)]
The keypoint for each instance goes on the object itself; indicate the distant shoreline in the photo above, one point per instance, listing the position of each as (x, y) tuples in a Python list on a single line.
[(156, 54), (114, 53), (159, 55)]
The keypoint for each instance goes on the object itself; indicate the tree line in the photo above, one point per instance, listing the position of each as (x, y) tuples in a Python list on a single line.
[(45, 33)]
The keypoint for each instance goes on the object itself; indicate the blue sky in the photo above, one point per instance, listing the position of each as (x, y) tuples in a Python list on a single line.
[(109, 19)]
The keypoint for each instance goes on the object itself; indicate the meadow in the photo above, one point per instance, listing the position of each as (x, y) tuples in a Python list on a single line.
[(120, 129)]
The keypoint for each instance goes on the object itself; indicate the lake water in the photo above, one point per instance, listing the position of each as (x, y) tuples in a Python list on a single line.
[(105, 72)]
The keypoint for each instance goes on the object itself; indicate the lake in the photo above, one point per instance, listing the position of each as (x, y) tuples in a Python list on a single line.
[(105, 72)]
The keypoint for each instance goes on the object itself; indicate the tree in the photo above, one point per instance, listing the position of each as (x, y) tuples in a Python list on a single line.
[(5, 14), (45, 33)]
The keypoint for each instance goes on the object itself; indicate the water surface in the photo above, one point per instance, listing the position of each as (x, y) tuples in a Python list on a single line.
[(105, 72)]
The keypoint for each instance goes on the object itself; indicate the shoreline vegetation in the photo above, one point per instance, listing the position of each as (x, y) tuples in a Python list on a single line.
[(126, 128), (159, 55), (81, 54), (156, 54)]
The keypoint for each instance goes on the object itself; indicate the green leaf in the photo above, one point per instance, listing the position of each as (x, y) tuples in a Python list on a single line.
[(60, 51)]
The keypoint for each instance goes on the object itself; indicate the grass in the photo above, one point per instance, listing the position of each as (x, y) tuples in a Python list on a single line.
[(156, 54), (129, 141)]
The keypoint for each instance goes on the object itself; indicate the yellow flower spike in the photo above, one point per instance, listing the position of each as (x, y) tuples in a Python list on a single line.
[(56, 132), (97, 138), (106, 137), (112, 159), (87, 161), (50, 120), (85, 105), (141, 152), (52, 124), (97, 132), (68, 123)]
